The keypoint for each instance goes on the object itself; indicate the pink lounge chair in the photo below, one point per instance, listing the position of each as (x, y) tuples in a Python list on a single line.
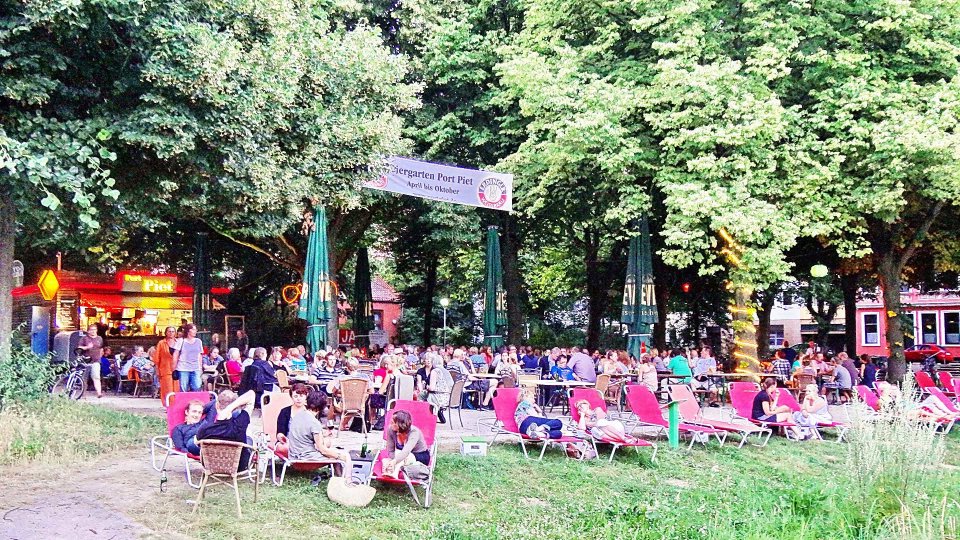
[(504, 407), (947, 383), (742, 395), (924, 381), (691, 413), (596, 400), (868, 397), (423, 417), (271, 405), (176, 414), (647, 411), (788, 399)]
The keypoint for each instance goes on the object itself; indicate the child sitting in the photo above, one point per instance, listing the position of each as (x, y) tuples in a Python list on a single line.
[(531, 421)]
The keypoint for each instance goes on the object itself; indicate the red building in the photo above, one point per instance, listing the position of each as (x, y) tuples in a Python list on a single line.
[(932, 319), (387, 310)]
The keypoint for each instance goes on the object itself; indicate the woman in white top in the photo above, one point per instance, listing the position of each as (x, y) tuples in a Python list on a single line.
[(813, 410)]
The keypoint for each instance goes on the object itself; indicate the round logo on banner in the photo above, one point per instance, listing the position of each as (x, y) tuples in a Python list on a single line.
[(379, 182), (492, 192)]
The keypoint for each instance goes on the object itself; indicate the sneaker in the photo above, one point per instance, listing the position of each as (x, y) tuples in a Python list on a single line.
[(533, 431)]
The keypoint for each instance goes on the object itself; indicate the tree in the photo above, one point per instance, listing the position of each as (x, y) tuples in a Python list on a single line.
[(53, 131)]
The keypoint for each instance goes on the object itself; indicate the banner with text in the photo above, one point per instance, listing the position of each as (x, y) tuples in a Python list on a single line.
[(444, 183)]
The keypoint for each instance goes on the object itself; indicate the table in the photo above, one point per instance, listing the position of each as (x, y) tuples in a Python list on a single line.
[(478, 376), (550, 383)]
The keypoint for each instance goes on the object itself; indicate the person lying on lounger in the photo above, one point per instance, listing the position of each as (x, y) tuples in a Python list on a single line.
[(599, 425), (929, 409)]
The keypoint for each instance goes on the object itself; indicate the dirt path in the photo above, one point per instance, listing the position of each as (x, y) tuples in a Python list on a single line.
[(89, 500)]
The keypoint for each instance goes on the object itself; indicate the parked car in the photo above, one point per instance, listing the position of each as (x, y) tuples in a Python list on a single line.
[(919, 353)]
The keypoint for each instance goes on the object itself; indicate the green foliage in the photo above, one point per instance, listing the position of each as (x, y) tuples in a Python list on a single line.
[(25, 376)]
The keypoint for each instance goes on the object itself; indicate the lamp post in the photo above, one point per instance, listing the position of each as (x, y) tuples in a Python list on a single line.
[(444, 303)]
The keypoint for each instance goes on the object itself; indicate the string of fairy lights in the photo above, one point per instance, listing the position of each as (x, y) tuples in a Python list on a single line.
[(741, 309)]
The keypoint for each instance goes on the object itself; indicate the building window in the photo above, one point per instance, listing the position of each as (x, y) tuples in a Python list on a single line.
[(776, 335), (871, 329), (951, 328), (928, 328), (378, 319)]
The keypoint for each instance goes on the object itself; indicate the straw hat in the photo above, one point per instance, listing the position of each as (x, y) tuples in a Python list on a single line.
[(357, 495)]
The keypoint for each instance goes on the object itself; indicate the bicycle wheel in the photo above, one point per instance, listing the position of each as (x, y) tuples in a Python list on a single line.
[(77, 387), (60, 387)]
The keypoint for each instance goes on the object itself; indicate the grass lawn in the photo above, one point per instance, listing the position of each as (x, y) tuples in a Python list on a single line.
[(787, 490)]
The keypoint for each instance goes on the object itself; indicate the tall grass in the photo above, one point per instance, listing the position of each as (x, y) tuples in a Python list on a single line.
[(56, 430), (891, 459)]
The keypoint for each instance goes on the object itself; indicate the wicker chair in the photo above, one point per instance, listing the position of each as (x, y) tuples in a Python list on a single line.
[(220, 460), (283, 381), (354, 393)]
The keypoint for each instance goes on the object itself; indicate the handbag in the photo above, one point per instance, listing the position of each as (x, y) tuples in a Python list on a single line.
[(175, 375)]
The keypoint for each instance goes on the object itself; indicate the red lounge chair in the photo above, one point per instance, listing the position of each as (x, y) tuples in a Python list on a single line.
[(947, 384), (788, 399), (648, 412), (924, 381), (868, 397), (741, 397), (596, 400), (504, 407), (422, 416), (691, 413), (176, 415)]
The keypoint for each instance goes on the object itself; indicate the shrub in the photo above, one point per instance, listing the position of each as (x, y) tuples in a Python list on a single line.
[(25, 376), (890, 452)]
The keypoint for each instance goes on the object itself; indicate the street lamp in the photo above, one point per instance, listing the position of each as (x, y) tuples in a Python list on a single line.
[(444, 303)]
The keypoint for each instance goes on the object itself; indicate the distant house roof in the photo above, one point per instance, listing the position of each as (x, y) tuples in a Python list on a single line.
[(383, 291)]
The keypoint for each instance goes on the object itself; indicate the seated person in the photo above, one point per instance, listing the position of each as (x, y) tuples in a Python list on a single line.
[(765, 406), (232, 421), (382, 377), (310, 440), (813, 410), (298, 393), (929, 409), (842, 382), (595, 422), (531, 421), (141, 362), (259, 376), (405, 444), (185, 435)]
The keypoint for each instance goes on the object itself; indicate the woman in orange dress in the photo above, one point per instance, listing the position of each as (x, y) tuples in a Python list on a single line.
[(163, 358)]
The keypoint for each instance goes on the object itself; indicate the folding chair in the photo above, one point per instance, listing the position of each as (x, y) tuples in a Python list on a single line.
[(868, 397), (176, 414), (504, 407), (422, 416), (597, 401), (691, 413), (647, 412), (947, 383), (220, 461), (924, 381)]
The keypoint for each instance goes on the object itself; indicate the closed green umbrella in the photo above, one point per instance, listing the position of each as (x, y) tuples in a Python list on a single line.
[(316, 294), (362, 300), (494, 297), (202, 301), (639, 301)]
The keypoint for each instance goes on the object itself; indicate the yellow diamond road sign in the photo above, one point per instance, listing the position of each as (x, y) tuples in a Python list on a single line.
[(48, 284)]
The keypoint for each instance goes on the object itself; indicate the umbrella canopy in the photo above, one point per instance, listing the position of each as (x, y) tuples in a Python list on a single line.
[(494, 297), (362, 300), (202, 300), (639, 301), (316, 294)]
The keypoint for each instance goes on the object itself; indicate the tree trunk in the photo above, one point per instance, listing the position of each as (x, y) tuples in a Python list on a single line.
[(889, 271), (430, 287), (765, 303), (8, 236), (600, 277), (512, 283), (849, 284)]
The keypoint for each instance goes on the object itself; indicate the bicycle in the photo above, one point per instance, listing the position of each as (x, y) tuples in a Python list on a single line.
[(73, 383)]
